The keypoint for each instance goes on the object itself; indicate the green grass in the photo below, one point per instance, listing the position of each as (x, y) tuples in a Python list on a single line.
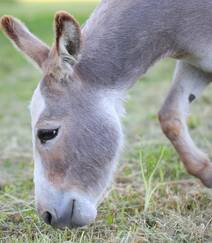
[(145, 204)]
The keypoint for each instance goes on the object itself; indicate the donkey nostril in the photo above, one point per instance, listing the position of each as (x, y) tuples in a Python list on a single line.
[(47, 217)]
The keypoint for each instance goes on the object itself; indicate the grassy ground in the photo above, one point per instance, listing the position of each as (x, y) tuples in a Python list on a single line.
[(145, 205)]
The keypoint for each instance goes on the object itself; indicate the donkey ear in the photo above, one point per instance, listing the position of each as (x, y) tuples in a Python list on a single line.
[(30, 45), (68, 37)]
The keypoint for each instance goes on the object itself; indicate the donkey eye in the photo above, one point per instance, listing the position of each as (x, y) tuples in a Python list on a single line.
[(47, 134)]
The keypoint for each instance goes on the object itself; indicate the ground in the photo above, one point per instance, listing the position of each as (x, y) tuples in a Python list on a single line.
[(164, 204)]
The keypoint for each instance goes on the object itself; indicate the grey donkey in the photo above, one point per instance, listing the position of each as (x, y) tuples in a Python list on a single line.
[(77, 106)]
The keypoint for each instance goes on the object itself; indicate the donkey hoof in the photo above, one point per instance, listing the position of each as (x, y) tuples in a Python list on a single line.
[(206, 176)]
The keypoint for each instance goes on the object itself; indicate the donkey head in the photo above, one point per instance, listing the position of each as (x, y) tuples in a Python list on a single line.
[(75, 127)]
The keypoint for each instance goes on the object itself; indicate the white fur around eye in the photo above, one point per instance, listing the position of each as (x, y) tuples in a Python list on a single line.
[(37, 106)]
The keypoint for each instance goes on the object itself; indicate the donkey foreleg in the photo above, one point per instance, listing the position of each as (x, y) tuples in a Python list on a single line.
[(188, 84)]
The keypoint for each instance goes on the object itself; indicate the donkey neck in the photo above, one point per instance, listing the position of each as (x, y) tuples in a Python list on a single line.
[(121, 40)]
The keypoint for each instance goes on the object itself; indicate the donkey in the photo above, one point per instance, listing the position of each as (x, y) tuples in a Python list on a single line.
[(77, 106)]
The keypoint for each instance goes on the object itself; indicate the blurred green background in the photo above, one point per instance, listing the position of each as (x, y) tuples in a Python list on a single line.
[(177, 207)]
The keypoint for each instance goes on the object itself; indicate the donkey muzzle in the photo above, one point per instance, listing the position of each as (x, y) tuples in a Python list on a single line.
[(71, 214)]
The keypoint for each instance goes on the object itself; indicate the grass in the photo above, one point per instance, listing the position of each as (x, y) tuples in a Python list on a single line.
[(152, 198)]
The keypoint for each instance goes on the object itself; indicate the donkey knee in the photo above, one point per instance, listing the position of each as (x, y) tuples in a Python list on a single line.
[(170, 124)]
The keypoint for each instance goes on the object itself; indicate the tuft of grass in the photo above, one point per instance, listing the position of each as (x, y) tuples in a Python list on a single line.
[(148, 174)]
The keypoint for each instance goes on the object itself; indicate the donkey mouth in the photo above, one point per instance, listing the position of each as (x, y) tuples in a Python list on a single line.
[(76, 213)]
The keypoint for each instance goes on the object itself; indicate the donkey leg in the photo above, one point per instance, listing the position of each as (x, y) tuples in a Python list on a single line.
[(188, 84)]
